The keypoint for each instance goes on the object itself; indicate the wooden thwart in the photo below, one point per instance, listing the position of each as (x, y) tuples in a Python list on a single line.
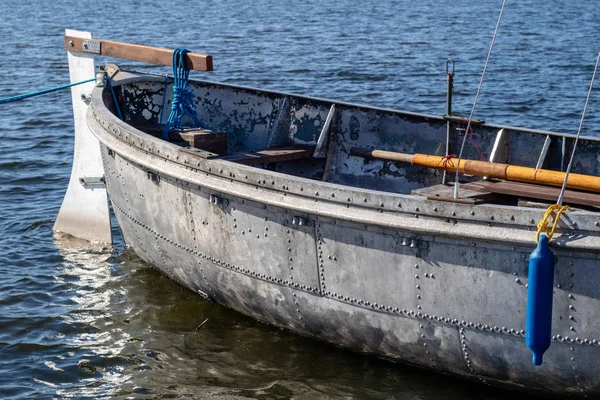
[(136, 52), (205, 139), (532, 191), (271, 155), (443, 192)]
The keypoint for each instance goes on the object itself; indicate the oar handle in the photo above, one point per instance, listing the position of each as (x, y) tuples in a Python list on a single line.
[(136, 52), (381, 154)]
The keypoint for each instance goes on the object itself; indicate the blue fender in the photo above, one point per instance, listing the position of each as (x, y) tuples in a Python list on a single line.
[(539, 300)]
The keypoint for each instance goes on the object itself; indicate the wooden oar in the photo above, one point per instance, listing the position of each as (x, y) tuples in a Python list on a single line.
[(136, 52), (491, 170)]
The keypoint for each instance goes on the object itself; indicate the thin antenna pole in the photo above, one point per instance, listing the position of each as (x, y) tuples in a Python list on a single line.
[(564, 185), (462, 147)]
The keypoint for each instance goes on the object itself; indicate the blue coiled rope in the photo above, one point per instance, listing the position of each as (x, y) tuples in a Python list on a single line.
[(40, 92), (183, 98)]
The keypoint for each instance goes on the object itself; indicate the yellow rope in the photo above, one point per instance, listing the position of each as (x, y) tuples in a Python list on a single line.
[(543, 225)]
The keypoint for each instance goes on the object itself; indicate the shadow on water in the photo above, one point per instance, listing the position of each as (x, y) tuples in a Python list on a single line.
[(141, 335)]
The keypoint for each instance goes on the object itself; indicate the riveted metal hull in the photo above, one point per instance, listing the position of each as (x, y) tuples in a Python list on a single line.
[(397, 276)]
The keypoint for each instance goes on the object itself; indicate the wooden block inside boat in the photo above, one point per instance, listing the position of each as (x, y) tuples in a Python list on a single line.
[(278, 154), (198, 138), (205, 139)]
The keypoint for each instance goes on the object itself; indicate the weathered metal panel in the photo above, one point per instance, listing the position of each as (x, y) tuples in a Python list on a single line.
[(246, 116), (507, 358), (307, 119), (351, 255), (578, 280), (141, 240), (266, 301), (142, 102), (385, 131), (487, 277), (416, 341)]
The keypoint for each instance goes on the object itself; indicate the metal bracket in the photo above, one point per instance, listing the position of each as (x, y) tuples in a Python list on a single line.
[(302, 221), (91, 46), (92, 181), (321, 149), (86, 98), (153, 176), (218, 201), (544, 152), (413, 243)]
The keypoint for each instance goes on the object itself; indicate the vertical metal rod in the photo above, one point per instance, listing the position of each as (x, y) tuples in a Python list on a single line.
[(449, 85), (462, 147), (587, 100), (449, 90)]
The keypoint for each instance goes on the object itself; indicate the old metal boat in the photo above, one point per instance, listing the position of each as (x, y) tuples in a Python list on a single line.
[(279, 209)]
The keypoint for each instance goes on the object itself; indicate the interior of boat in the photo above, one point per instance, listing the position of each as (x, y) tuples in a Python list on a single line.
[(327, 141)]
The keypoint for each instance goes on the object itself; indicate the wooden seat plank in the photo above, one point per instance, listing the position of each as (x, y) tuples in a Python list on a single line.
[(278, 154), (533, 191), (444, 192)]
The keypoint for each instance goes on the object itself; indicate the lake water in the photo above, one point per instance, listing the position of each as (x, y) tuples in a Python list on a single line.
[(99, 323)]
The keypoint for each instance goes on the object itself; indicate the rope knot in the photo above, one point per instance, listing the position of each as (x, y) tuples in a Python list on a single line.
[(445, 159), (543, 225), (183, 100)]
